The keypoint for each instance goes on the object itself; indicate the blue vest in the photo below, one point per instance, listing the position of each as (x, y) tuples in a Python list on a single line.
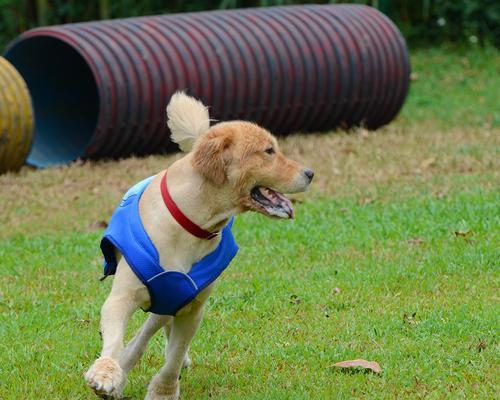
[(169, 290)]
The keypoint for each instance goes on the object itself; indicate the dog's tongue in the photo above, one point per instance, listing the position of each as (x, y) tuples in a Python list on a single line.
[(281, 205)]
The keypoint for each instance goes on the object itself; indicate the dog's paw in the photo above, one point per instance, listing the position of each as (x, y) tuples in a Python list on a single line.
[(106, 378), (187, 361), (158, 390)]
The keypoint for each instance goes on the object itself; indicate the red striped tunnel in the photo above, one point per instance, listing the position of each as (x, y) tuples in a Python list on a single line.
[(100, 89)]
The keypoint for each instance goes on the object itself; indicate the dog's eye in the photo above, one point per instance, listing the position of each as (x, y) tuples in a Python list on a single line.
[(269, 150)]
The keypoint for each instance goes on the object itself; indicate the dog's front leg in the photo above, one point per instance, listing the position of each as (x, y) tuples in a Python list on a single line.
[(165, 385), (105, 376)]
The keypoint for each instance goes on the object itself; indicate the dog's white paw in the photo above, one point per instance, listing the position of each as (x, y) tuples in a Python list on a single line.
[(106, 378), (157, 390)]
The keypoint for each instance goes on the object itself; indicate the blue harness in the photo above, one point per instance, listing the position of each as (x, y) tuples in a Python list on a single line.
[(169, 290)]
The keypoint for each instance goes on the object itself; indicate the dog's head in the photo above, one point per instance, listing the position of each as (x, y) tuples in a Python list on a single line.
[(245, 158), (240, 159)]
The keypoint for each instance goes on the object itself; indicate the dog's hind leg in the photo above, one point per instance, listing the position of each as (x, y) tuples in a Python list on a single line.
[(165, 385), (106, 376), (187, 360), (136, 347)]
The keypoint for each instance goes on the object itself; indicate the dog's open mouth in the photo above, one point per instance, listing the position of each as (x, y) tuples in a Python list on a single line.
[(271, 202)]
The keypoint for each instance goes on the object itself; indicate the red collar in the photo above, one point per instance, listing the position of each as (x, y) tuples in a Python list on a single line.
[(180, 217)]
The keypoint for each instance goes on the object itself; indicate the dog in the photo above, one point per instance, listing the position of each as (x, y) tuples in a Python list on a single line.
[(230, 168)]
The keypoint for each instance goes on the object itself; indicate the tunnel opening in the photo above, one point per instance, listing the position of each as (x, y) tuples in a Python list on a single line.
[(64, 95)]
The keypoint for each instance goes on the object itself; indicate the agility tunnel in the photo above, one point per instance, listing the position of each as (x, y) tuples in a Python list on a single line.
[(100, 89), (16, 118)]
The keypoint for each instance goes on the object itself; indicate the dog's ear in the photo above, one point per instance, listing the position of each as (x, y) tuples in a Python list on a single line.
[(211, 156)]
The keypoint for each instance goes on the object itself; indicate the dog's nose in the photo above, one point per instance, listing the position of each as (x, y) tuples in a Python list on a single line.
[(309, 173)]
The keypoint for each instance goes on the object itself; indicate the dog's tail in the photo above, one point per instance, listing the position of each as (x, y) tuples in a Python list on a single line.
[(188, 119)]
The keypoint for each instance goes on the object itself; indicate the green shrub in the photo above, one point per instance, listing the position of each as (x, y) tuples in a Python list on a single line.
[(422, 22)]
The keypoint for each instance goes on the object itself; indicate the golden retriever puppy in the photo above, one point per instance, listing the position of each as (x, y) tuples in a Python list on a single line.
[(229, 168)]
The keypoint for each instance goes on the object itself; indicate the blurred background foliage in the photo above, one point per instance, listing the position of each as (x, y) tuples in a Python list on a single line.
[(423, 22)]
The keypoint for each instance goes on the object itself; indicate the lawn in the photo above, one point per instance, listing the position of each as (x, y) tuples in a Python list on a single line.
[(393, 257)]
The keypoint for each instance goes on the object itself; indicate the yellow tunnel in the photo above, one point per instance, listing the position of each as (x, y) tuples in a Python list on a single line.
[(16, 118)]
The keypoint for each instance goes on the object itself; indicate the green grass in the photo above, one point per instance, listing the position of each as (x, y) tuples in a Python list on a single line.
[(404, 222), (275, 325), (454, 87)]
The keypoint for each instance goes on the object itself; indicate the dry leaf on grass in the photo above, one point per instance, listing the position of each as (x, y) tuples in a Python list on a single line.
[(417, 240), (371, 365), (294, 299), (348, 151), (410, 319), (364, 133), (296, 199), (364, 201), (428, 162), (98, 225), (463, 233), (481, 345)]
